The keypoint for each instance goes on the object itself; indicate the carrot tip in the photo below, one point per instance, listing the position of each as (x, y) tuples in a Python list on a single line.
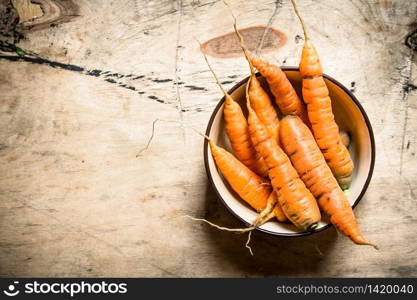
[(239, 230), (373, 245), (368, 244), (247, 243)]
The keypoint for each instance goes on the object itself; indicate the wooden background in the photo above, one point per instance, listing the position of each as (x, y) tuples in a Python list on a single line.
[(78, 107)]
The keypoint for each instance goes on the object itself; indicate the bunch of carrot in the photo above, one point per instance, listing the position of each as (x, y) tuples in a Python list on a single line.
[(292, 168)]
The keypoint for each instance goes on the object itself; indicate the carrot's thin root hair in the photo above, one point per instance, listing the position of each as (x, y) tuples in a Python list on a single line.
[(149, 140), (294, 4), (247, 243), (148, 143), (213, 73), (240, 39), (221, 227)]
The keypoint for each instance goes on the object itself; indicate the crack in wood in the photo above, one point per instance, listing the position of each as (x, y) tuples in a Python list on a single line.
[(278, 5), (176, 66), (406, 92), (107, 76)]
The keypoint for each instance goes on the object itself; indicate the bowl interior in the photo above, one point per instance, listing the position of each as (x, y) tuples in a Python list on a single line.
[(349, 117)]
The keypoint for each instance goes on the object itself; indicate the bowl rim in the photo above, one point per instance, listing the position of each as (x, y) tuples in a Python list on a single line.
[(297, 234)]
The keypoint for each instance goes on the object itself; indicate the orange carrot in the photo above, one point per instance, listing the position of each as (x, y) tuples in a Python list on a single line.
[(295, 199), (252, 188), (238, 132), (345, 138), (306, 157), (319, 107), (262, 105), (259, 98), (277, 209), (285, 96)]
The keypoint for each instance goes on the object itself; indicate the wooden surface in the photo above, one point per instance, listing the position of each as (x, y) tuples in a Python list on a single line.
[(76, 201)]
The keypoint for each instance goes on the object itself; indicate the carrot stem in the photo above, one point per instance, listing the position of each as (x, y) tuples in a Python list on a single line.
[(240, 39), (214, 74), (244, 49), (294, 4), (149, 140), (221, 227), (199, 133)]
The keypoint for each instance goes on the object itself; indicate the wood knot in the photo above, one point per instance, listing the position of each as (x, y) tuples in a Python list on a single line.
[(227, 46)]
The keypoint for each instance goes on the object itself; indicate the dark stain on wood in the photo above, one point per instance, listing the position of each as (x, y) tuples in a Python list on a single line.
[(195, 88), (105, 75), (227, 82), (94, 72), (131, 88), (42, 61), (108, 76), (298, 38), (353, 86), (156, 99), (411, 40), (408, 87), (110, 80), (9, 19), (227, 46), (161, 80)]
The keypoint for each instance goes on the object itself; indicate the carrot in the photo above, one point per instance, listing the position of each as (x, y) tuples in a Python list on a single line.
[(262, 105), (238, 132), (296, 201), (259, 98), (319, 107), (251, 187), (277, 209), (285, 96), (345, 138), (306, 157)]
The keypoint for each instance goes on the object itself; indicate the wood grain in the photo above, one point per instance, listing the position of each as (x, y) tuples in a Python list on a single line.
[(76, 201)]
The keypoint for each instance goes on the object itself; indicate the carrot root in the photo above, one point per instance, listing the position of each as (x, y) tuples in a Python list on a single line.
[(150, 139), (365, 243), (148, 143), (345, 138), (255, 225), (247, 243), (267, 210), (221, 227)]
